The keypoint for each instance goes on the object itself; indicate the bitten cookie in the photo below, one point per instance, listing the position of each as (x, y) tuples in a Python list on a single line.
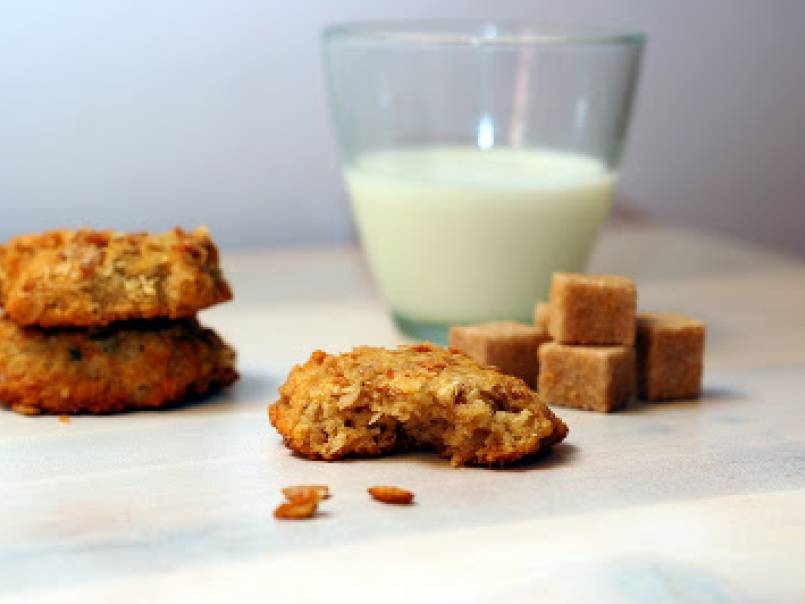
[(373, 401)]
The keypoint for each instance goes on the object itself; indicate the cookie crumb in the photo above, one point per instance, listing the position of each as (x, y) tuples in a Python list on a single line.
[(388, 494), (296, 510), (305, 492), (303, 501), (64, 419)]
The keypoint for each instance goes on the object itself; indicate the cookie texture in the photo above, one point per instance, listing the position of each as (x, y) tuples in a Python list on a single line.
[(91, 278), (132, 365), (372, 401)]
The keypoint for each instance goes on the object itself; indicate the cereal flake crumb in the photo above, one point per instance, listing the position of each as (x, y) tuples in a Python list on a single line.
[(388, 494), (303, 501), (296, 510), (306, 492)]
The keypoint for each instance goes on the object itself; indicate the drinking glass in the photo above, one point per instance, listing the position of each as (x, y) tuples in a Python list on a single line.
[(480, 157)]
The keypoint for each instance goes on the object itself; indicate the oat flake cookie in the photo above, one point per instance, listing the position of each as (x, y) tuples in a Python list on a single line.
[(130, 365), (90, 278), (372, 401)]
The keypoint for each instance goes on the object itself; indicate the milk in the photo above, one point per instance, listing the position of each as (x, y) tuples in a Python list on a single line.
[(460, 234)]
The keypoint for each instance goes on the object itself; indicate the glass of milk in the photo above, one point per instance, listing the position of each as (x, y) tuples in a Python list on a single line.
[(480, 158)]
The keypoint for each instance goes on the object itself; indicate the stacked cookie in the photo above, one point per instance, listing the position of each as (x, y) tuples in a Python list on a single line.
[(102, 321)]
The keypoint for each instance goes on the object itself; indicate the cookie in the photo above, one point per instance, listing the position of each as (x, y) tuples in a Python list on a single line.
[(93, 278), (372, 401), (131, 365)]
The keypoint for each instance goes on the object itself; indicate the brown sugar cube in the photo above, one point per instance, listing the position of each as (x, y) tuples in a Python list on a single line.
[(542, 315), (670, 354), (509, 346), (592, 309), (598, 378)]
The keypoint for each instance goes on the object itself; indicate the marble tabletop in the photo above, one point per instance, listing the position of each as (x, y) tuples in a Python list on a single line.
[(666, 502)]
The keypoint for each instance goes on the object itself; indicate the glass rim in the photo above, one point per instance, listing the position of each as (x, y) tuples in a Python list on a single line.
[(480, 32)]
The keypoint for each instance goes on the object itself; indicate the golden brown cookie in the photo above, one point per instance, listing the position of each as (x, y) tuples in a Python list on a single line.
[(88, 278), (372, 401), (131, 365)]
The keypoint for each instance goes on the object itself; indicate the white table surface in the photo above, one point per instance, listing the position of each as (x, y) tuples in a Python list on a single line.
[(675, 502)]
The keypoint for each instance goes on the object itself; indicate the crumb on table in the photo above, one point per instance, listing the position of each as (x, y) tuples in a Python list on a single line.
[(389, 494), (305, 492)]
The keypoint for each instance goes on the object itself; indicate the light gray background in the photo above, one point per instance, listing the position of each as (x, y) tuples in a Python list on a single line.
[(146, 114)]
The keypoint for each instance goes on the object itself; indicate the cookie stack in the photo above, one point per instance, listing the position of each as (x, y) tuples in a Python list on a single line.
[(103, 321)]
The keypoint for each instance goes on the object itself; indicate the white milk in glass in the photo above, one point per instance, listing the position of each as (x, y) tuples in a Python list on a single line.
[(460, 234)]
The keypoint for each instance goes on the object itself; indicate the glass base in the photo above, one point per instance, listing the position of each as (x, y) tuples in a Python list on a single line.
[(420, 330)]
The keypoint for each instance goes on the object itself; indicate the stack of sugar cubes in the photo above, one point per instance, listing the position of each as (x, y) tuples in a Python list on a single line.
[(590, 349)]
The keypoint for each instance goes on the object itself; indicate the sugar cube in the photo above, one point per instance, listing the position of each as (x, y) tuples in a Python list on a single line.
[(542, 315), (509, 346), (592, 309), (598, 378), (670, 352)]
